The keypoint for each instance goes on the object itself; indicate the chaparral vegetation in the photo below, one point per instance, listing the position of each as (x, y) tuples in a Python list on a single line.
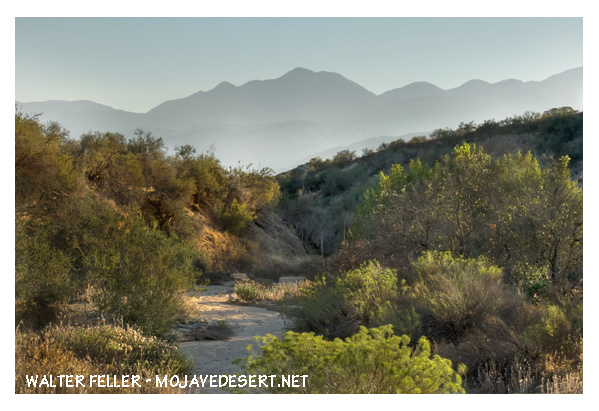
[(448, 263)]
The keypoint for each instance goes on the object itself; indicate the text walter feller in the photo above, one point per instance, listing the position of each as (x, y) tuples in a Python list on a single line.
[(199, 381)]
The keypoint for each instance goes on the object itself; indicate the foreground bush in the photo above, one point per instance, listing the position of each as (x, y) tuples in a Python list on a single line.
[(372, 361), (98, 350)]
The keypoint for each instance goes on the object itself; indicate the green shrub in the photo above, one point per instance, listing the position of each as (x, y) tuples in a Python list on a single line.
[(235, 217), (44, 171), (533, 280), (99, 350), (42, 275), (405, 320), (370, 289), (248, 290), (372, 361), (125, 348), (557, 331), (321, 309), (337, 304), (139, 272), (458, 293)]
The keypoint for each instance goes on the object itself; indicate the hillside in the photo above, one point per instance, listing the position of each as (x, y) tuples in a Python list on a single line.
[(200, 220), (320, 196)]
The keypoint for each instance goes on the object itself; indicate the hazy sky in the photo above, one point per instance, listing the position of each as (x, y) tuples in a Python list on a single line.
[(135, 64)]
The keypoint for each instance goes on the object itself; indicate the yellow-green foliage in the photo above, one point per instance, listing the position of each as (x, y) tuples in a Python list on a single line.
[(365, 296), (557, 331), (97, 350), (44, 171), (372, 361), (460, 292), (248, 290), (42, 274), (235, 217), (123, 348), (510, 210), (141, 272), (369, 289)]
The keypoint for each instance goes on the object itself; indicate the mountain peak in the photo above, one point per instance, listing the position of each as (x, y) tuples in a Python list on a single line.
[(418, 89), (224, 85), (299, 72), (471, 86), (475, 83)]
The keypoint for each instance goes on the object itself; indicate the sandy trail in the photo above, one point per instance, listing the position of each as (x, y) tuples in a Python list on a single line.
[(216, 357)]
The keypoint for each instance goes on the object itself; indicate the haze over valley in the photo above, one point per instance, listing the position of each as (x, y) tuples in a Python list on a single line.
[(280, 122)]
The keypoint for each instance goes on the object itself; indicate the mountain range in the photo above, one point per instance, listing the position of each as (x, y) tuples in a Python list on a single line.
[(278, 122)]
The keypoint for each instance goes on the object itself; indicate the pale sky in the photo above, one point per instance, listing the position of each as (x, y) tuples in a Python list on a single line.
[(135, 64)]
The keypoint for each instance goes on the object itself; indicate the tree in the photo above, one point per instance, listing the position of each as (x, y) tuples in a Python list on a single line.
[(43, 170), (510, 210)]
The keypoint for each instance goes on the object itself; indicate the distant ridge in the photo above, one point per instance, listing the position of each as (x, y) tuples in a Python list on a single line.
[(414, 90), (277, 122)]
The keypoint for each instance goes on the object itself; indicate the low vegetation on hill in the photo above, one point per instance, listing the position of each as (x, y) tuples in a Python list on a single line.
[(446, 263), (321, 196)]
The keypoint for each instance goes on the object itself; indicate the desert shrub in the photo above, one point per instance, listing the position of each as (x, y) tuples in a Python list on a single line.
[(109, 166), (405, 320), (533, 279), (570, 383), (123, 348), (510, 210), (557, 128), (235, 217), (372, 361), (322, 309), (254, 188), (98, 350), (557, 331), (370, 289), (371, 295), (523, 375), (42, 275), (496, 378), (248, 290), (344, 158), (44, 171), (140, 272), (137, 270), (37, 354), (458, 293)]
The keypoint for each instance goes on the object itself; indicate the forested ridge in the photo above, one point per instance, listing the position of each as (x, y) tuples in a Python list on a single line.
[(462, 250)]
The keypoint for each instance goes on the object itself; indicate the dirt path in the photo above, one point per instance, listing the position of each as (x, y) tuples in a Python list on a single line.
[(245, 321)]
